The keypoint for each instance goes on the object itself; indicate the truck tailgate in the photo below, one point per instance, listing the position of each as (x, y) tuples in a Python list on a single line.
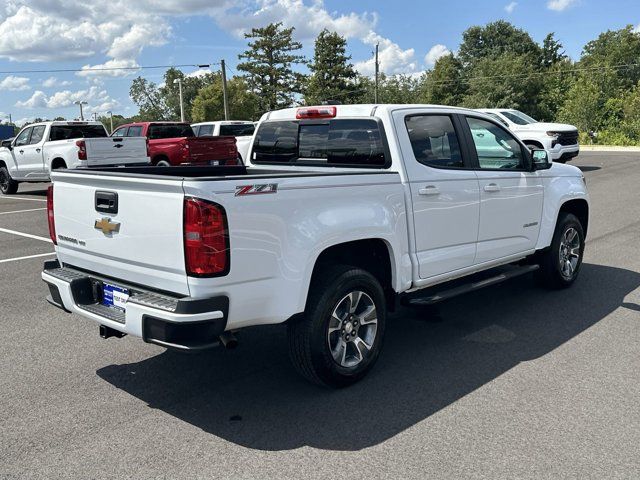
[(206, 149), (146, 244), (116, 151)]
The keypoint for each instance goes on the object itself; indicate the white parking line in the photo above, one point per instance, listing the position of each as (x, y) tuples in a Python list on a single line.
[(27, 257), (20, 211), (28, 235), (23, 198)]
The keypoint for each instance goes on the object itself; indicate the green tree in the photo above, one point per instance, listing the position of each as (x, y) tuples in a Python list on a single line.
[(208, 104), (496, 39), (149, 99), (506, 81), (332, 75), (268, 65), (444, 84), (191, 85), (552, 51)]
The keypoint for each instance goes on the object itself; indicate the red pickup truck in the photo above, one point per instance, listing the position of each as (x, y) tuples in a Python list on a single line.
[(174, 143)]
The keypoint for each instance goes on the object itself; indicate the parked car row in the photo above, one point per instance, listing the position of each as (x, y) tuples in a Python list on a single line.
[(40, 148)]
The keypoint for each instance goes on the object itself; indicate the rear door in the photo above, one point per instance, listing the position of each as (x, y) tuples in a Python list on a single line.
[(511, 195), (444, 191), (139, 240)]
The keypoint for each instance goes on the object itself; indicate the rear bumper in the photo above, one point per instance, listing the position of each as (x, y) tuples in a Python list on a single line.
[(173, 322)]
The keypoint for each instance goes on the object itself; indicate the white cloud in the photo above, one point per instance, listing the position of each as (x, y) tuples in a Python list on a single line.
[(510, 7), (98, 99), (54, 82), (14, 83), (200, 73), (560, 5), (122, 68), (637, 29), (436, 52)]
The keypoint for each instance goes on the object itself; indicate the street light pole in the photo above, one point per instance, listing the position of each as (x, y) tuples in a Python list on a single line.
[(179, 82), (80, 103), (225, 100), (375, 92), (111, 118)]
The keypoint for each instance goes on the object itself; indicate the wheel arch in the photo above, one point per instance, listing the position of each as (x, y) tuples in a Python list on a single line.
[(58, 162), (578, 207), (536, 143)]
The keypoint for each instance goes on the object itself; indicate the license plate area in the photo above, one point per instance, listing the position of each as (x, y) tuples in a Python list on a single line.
[(114, 296)]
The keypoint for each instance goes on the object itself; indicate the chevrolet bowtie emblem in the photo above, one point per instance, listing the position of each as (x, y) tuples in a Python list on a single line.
[(106, 226)]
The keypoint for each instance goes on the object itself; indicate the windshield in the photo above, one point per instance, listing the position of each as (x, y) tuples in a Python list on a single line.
[(518, 118), (170, 131), (68, 132)]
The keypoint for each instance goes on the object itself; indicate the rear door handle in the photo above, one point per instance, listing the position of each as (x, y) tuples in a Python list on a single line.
[(21, 151), (429, 190), (492, 187)]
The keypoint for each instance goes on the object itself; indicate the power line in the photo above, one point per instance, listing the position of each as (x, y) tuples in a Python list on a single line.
[(104, 69)]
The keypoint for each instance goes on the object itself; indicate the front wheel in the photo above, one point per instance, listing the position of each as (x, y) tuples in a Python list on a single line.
[(339, 338), (8, 185), (560, 264)]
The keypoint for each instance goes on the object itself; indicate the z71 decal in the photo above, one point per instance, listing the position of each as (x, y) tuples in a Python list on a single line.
[(256, 189)]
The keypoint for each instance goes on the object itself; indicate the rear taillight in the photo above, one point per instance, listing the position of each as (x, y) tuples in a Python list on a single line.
[(206, 239), (82, 149), (50, 218)]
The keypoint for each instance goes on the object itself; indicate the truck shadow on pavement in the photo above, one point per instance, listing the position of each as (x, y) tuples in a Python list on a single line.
[(252, 397)]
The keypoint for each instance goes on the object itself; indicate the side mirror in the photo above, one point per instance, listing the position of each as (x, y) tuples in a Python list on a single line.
[(7, 143), (540, 159)]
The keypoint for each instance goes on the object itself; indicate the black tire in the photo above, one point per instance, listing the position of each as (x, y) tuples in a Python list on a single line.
[(163, 163), (8, 186), (554, 272), (309, 337)]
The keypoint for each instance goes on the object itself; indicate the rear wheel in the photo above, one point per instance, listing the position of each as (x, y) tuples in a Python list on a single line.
[(338, 340), (8, 185), (560, 264), (163, 163)]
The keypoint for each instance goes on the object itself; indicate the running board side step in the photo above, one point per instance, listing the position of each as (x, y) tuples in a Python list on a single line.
[(468, 287)]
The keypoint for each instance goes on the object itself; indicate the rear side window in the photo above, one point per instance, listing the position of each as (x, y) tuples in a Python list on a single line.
[(237, 130), (434, 141), (135, 131), (170, 131), (69, 132), (339, 142)]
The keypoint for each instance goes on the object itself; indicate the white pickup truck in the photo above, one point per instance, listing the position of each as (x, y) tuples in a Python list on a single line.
[(559, 139), (40, 148), (341, 212), (241, 129)]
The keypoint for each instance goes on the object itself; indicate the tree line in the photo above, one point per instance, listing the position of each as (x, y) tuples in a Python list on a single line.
[(496, 65)]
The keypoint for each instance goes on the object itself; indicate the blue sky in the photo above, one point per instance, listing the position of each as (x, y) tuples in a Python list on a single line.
[(68, 34)]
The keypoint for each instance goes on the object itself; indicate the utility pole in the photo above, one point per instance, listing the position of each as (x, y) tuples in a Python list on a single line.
[(375, 92), (111, 118), (225, 100), (179, 82)]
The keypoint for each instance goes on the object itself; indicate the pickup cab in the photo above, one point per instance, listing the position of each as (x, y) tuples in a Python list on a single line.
[(242, 130), (341, 214), (40, 148), (559, 139), (174, 143)]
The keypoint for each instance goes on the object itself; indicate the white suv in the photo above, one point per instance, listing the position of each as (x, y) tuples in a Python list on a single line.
[(559, 139)]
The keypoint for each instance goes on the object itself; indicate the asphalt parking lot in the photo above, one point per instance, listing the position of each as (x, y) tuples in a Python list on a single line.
[(510, 382)]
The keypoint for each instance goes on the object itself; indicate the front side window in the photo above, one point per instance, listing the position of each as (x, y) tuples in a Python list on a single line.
[(496, 148), (434, 141), (135, 131), (338, 142), (23, 137), (37, 134), (518, 118), (121, 132)]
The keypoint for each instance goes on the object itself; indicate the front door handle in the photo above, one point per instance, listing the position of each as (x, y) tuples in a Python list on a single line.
[(38, 150), (429, 190), (21, 151), (492, 187)]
